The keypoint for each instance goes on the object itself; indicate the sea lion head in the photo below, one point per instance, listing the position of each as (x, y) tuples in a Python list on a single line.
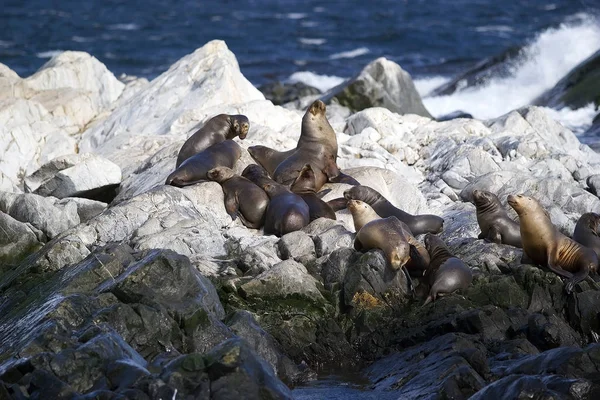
[(362, 213), (239, 127), (431, 242), (363, 193), (524, 204), (305, 182), (482, 198), (254, 171), (220, 174), (317, 108), (399, 256), (592, 221)]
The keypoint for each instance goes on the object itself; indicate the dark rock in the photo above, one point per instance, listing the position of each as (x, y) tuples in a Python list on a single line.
[(187, 375), (593, 182), (280, 93), (583, 312), (548, 332), (578, 88), (334, 269), (382, 83), (454, 115), (498, 66)]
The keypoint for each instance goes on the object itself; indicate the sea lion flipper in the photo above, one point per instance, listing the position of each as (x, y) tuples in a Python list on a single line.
[(357, 245), (322, 193), (558, 270), (482, 236), (338, 204), (232, 205), (494, 235)]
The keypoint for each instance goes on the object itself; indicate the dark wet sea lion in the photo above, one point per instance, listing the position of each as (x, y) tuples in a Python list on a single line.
[(215, 130), (304, 185), (269, 158), (195, 168), (243, 197), (545, 245), (287, 212), (316, 145), (390, 235), (587, 232), (495, 224), (417, 224), (445, 273)]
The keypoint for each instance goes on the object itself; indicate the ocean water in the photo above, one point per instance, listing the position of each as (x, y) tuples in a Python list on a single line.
[(322, 43)]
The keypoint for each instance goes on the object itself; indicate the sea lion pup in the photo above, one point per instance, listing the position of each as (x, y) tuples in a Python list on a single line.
[(417, 224), (445, 273), (269, 158), (495, 224), (545, 245), (317, 142), (390, 235), (287, 212), (215, 130), (586, 232), (194, 169), (304, 185), (243, 197)]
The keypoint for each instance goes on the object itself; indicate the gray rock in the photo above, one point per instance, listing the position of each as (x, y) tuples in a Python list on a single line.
[(328, 235), (86, 208), (297, 246), (18, 240), (382, 83)]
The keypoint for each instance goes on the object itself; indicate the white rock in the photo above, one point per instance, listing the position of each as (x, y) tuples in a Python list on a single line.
[(168, 105)]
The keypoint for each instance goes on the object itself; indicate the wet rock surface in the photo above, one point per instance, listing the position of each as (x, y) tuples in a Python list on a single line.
[(158, 293)]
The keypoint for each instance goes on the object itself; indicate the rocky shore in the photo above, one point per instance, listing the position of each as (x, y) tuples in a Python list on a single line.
[(115, 286)]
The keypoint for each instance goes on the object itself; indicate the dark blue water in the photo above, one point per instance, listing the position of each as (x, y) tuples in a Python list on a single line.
[(269, 38)]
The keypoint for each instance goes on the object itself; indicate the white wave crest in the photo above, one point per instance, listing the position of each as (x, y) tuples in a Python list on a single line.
[(48, 54), (350, 54), (312, 42), (547, 59), (321, 82), (578, 120), (426, 85), (124, 27)]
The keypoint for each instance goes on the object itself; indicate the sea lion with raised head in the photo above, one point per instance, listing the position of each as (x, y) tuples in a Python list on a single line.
[(243, 198), (304, 185), (390, 235), (495, 224), (317, 144), (417, 224), (287, 212), (587, 231), (215, 130), (545, 245), (269, 158), (446, 273), (195, 168)]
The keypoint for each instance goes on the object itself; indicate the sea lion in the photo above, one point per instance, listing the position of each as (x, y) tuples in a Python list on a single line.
[(287, 212), (446, 273), (586, 232), (545, 245), (495, 224), (417, 224), (390, 235), (316, 144), (304, 185), (243, 197), (269, 158), (194, 169), (215, 130)]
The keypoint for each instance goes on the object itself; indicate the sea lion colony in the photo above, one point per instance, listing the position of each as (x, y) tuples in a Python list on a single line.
[(281, 195)]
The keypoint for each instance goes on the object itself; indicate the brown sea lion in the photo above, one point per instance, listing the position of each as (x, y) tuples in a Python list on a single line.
[(495, 224), (269, 158), (417, 224), (445, 273), (388, 234), (243, 197), (545, 245), (287, 212), (215, 130), (587, 231), (304, 185), (317, 143), (194, 169)]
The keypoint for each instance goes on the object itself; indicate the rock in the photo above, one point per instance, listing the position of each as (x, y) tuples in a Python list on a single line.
[(382, 83), (593, 182), (328, 235), (583, 313), (454, 115), (81, 175), (281, 93), (497, 66), (297, 246), (577, 89), (180, 96), (548, 332), (286, 280), (86, 209), (254, 254), (243, 324), (18, 241), (44, 213)]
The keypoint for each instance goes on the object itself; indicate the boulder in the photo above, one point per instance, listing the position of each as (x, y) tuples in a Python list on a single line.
[(281, 93), (382, 83)]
